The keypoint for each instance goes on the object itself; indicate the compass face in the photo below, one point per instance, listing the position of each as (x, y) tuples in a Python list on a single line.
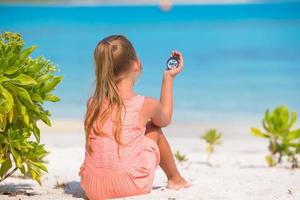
[(172, 63)]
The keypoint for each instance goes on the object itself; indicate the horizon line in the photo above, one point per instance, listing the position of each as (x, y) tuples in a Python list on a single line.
[(126, 3)]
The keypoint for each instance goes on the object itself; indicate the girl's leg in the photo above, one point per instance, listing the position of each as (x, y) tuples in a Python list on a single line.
[(167, 162)]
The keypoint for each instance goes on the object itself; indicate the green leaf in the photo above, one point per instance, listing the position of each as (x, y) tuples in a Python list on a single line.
[(12, 70), (3, 78), (180, 157), (256, 132), (3, 122), (8, 97), (267, 122), (265, 125), (283, 115), (23, 79), (22, 169), (24, 115), (16, 66), (16, 157), (45, 77), (2, 155), (36, 132), (293, 119), (294, 135), (21, 92), (10, 116), (270, 161), (6, 165), (40, 151), (36, 97), (212, 137), (39, 165), (51, 97), (45, 119), (35, 174), (50, 85), (36, 65)]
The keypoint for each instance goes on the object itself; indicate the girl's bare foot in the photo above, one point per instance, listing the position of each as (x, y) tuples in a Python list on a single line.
[(178, 183)]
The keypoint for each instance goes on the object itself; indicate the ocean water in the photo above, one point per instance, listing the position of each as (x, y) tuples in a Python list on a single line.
[(239, 59)]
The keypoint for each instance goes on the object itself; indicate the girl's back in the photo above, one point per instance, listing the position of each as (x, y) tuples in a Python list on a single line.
[(109, 173)]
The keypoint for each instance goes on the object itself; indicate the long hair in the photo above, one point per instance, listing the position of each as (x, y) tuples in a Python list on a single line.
[(113, 58)]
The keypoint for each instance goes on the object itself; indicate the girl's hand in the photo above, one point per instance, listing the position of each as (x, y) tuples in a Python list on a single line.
[(177, 70)]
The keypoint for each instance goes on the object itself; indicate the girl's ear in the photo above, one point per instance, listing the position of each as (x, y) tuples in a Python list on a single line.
[(138, 66)]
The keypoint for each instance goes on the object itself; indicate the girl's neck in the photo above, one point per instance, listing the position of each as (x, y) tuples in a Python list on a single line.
[(125, 87)]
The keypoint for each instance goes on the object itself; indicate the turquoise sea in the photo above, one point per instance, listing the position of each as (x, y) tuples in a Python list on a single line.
[(239, 59)]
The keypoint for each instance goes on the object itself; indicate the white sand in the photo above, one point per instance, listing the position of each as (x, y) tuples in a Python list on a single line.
[(239, 170)]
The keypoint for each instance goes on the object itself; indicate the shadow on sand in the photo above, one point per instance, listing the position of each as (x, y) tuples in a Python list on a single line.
[(158, 187), (73, 188), (17, 189), (253, 167)]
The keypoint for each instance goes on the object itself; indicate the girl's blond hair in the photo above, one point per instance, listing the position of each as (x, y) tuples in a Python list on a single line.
[(113, 58)]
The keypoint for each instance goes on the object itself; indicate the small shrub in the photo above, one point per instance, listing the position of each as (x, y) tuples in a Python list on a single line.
[(212, 138), (180, 157), (283, 142), (25, 84)]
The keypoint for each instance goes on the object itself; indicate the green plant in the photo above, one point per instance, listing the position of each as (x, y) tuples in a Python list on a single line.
[(283, 142), (25, 84), (180, 157), (212, 138)]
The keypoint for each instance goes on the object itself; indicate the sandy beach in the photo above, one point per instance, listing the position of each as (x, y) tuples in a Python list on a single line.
[(239, 170)]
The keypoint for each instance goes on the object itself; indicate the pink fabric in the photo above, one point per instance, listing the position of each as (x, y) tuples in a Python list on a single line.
[(105, 175)]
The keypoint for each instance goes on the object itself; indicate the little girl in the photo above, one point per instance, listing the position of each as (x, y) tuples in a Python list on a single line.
[(124, 140)]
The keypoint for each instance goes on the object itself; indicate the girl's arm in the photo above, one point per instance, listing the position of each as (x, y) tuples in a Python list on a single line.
[(162, 111)]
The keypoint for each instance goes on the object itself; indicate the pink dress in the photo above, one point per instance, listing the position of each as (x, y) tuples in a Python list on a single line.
[(104, 175)]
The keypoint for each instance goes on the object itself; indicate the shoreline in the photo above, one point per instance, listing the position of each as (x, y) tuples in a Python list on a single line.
[(232, 128)]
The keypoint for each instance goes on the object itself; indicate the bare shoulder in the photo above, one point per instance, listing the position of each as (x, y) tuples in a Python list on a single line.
[(151, 102), (151, 105)]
